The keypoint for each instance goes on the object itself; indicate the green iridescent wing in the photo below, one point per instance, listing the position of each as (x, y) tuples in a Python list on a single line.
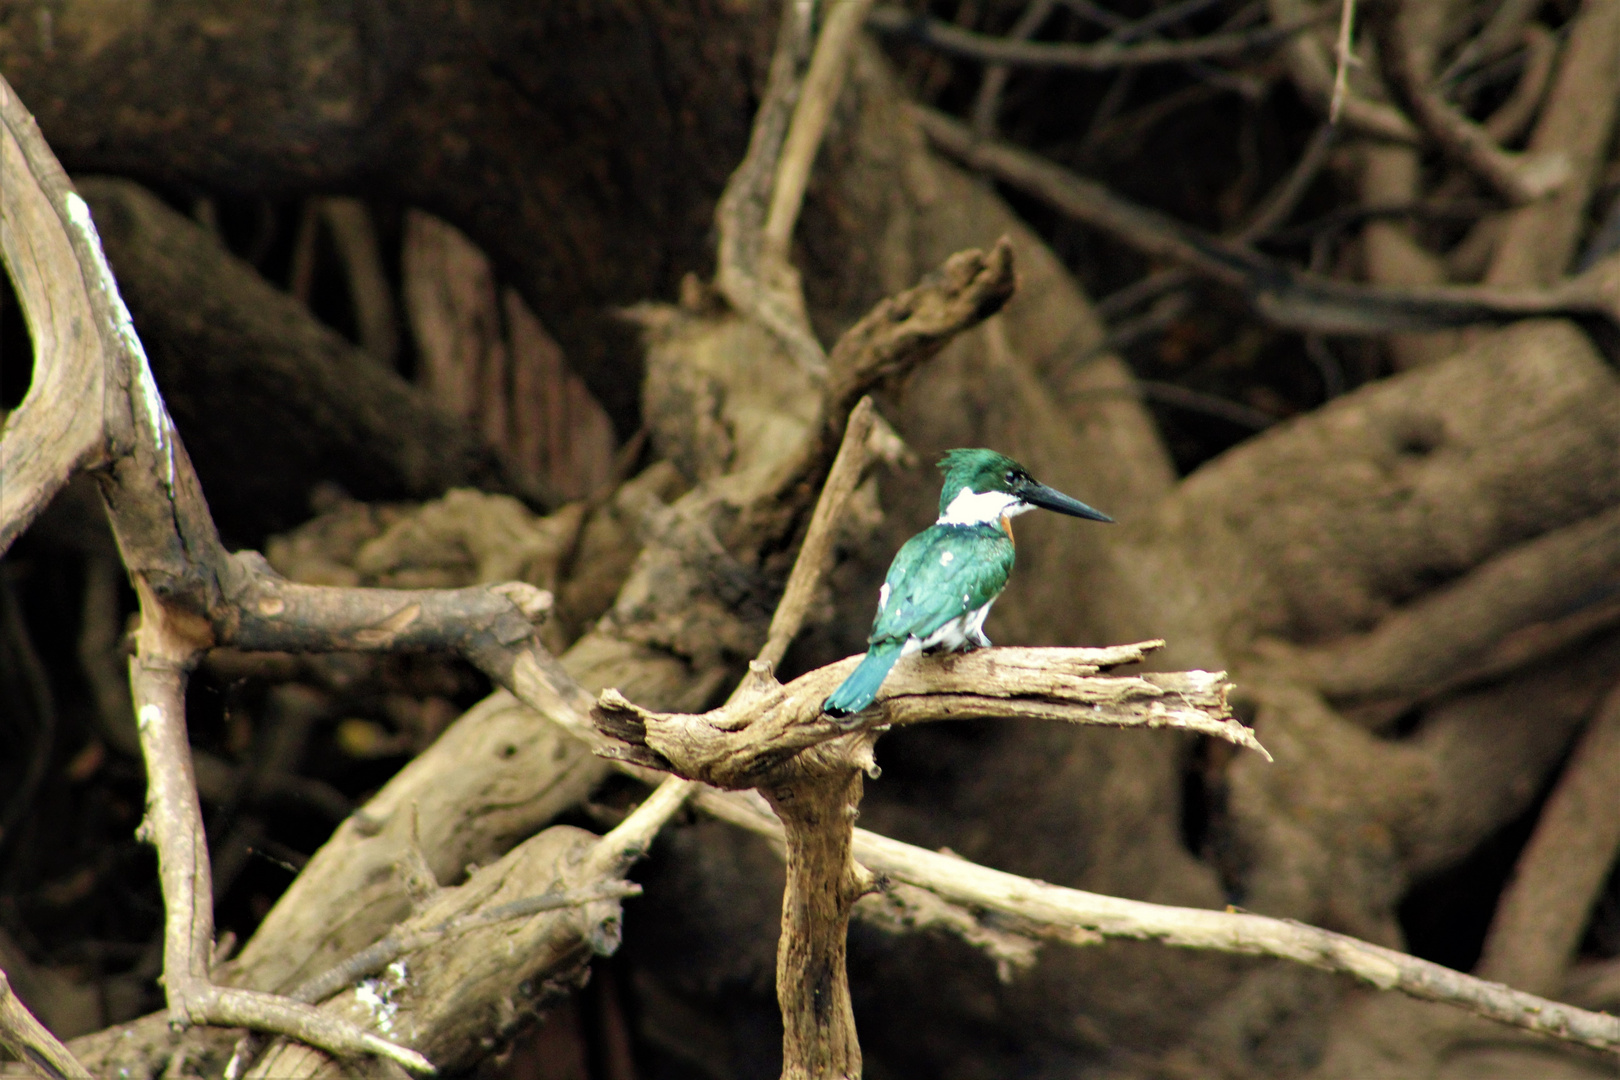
[(939, 575)]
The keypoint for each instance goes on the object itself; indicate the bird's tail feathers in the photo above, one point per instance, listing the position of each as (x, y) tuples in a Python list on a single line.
[(860, 689)]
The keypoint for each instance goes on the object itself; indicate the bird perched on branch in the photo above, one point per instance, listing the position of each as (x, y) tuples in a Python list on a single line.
[(943, 580)]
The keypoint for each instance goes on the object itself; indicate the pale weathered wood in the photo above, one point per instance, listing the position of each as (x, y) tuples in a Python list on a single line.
[(60, 426)]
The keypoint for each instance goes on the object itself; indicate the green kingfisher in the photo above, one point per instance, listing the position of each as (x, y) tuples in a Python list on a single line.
[(943, 580)]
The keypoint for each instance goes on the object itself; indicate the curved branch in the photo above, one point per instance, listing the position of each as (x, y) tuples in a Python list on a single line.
[(33, 1042), (59, 427)]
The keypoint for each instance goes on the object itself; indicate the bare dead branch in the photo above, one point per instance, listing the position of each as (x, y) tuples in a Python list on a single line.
[(1035, 904), (987, 102), (809, 768), (354, 235), (816, 552), (1283, 295), (742, 744), (1496, 38), (33, 1042), (1281, 202), (823, 83), (167, 645), (1561, 872), (905, 330), (59, 427), (760, 205), (1104, 56), (1576, 120)]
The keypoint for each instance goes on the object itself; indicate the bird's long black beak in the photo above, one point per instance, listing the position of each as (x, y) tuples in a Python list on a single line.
[(1048, 499)]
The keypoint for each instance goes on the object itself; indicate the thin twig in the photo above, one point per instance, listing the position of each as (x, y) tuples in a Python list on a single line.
[(987, 103), (1313, 72), (1514, 115), (1103, 56), (1151, 24), (1206, 404), (1281, 201), (1496, 38), (1142, 290), (1343, 57)]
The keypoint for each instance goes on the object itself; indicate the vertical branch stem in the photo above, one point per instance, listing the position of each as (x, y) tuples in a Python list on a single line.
[(1559, 876), (1343, 57), (173, 824), (822, 84), (823, 883), (815, 554)]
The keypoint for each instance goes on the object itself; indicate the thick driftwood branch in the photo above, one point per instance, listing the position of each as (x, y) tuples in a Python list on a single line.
[(745, 743), (496, 758), (1036, 907), (823, 83), (1103, 56), (473, 949), (758, 282), (33, 1042), (1288, 297), (823, 882), (174, 556)]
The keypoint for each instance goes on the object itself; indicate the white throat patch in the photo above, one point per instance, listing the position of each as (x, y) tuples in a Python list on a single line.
[(981, 508)]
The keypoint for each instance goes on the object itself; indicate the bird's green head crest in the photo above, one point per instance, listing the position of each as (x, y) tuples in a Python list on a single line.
[(979, 470), (999, 487)]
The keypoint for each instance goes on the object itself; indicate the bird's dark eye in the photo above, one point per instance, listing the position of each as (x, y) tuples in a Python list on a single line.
[(1012, 478)]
